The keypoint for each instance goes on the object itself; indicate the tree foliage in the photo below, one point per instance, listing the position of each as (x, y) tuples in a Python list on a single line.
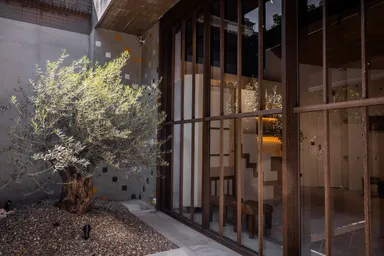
[(82, 115)]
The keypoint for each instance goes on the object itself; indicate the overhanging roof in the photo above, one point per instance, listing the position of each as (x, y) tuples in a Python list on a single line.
[(134, 16)]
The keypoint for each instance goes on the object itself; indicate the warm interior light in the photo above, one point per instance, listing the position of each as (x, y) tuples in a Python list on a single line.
[(268, 119), (271, 139)]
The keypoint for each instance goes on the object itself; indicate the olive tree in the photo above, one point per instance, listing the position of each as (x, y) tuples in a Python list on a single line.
[(75, 117)]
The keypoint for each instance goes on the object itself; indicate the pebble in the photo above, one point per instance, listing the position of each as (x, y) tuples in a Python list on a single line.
[(115, 231)]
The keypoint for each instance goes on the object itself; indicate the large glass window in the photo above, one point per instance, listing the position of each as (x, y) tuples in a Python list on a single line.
[(228, 140), (340, 145)]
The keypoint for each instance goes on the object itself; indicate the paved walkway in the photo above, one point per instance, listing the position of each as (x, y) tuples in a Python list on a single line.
[(189, 241)]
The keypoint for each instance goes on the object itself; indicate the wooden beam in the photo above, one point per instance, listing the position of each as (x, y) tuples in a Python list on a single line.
[(173, 113), (341, 105), (290, 136), (206, 113), (182, 71), (327, 168), (245, 114), (365, 123), (260, 171), (194, 35), (239, 177), (221, 188)]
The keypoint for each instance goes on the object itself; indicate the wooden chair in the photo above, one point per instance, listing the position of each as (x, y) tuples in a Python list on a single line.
[(250, 209), (215, 202)]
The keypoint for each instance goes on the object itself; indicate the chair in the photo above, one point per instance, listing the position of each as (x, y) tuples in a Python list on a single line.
[(250, 209)]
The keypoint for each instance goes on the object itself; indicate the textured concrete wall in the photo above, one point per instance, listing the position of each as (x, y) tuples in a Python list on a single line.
[(22, 46), (104, 46), (150, 52)]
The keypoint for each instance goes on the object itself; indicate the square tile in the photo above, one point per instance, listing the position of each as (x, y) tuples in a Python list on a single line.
[(98, 43), (108, 55)]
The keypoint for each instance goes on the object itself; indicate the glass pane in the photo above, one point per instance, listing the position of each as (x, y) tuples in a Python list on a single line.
[(346, 169), (250, 75), (166, 170), (230, 57), (199, 66), (312, 183), (375, 162), (176, 167), (215, 59), (187, 169), (188, 71), (198, 139), (249, 164), (344, 63), (214, 170), (375, 53), (310, 52), (273, 184), (229, 176), (177, 76), (272, 87)]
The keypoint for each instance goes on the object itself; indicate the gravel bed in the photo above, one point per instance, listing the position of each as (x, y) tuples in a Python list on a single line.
[(42, 229)]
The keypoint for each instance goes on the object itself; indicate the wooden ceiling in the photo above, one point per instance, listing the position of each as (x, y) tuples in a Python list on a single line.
[(134, 16)]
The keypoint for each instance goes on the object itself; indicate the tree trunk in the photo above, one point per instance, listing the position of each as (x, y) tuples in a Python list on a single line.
[(76, 193)]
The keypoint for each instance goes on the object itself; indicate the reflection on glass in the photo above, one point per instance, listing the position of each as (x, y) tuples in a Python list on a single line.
[(310, 52), (176, 167), (187, 169), (272, 169), (215, 59), (375, 54), (229, 177), (189, 139), (376, 162), (214, 171), (177, 76), (344, 62), (198, 172), (249, 163), (312, 183), (199, 66), (272, 88), (346, 173), (188, 71), (346, 170), (250, 75)]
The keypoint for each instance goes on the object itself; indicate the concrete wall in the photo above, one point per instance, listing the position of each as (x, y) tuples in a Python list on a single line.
[(22, 46), (106, 45)]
